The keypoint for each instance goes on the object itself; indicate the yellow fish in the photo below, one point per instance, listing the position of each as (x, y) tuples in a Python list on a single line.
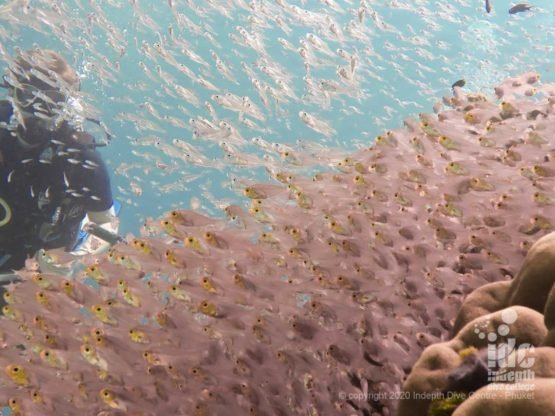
[(52, 359), (359, 167), (51, 341), (359, 180), (42, 299), (335, 226), (423, 161), (194, 244), (127, 262), (9, 297), (208, 308), (290, 157), (169, 228), (456, 168), (164, 320), (542, 222), (138, 336), (110, 399), (303, 200), (413, 176), (11, 313), (280, 176), (295, 252), (269, 238), (130, 297), (344, 164), (543, 171), (350, 247), (334, 247), (90, 354), (379, 168), (122, 284), (172, 259), (385, 140), (527, 173), (363, 298), (252, 193), (429, 129), (379, 195), (151, 358), (471, 118), (417, 145), (508, 109), (208, 285), (41, 281), (180, 294), (486, 142), (101, 314), (15, 406), (479, 184), (260, 215), (535, 138), (95, 273), (402, 200), (450, 210), (142, 246), (17, 374), (36, 396), (67, 287), (260, 334), (448, 143), (240, 281), (214, 241), (280, 261), (542, 199), (295, 233)]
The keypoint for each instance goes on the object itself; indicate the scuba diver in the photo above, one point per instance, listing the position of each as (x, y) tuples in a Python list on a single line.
[(52, 178)]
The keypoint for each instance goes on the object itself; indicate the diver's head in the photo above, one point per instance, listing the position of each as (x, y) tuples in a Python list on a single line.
[(41, 80), (40, 83)]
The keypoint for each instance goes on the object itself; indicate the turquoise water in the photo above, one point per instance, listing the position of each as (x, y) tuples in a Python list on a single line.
[(409, 53)]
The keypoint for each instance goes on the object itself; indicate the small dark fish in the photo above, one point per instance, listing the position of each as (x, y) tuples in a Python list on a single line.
[(460, 83), (488, 6), (520, 7)]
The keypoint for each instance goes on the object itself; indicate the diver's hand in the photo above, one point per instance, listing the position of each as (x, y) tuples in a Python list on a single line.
[(95, 245), (107, 221)]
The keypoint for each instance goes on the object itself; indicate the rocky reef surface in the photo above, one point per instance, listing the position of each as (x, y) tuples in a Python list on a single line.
[(502, 359), (319, 295)]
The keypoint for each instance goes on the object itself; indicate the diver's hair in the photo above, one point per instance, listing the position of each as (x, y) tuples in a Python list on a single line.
[(50, 64)]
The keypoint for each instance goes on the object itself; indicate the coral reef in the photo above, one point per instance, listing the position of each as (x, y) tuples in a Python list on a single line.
[(513, 367), (315, 300), (536, 277), (486, 299)]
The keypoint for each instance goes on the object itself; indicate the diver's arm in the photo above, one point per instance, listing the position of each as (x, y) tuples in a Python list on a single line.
[(93, 245)]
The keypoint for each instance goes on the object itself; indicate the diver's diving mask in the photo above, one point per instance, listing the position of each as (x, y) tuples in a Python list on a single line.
[(34, 99), (32, 130), (38, 109)]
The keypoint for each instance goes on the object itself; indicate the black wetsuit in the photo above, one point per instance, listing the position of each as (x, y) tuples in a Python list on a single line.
[(48, 190)]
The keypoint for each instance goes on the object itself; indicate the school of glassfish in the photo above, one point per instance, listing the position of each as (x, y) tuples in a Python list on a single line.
[(327, 286), (320, 286), (215, 75)]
